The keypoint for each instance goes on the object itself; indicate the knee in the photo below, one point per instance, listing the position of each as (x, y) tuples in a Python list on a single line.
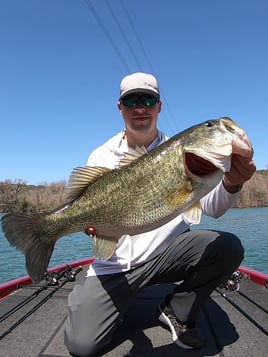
[(81, 342), (78, 347), (230, 249)]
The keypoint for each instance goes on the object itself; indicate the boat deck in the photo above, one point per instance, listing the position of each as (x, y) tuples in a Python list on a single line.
[(233, 325)]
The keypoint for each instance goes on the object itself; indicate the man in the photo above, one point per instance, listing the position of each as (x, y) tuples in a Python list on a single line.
[(172, 253)]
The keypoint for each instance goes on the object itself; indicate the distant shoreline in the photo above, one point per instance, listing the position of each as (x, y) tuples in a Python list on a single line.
[(18, 196)]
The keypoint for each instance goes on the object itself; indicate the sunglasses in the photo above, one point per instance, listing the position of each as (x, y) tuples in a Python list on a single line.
[(147, 101)]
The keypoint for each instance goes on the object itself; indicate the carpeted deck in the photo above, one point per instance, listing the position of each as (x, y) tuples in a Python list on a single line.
[(235, 325)]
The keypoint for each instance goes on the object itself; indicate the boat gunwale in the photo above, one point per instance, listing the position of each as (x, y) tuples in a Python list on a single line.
[(13, 285)]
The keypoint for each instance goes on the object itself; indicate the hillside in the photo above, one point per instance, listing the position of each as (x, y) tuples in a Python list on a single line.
[(18, 196), (255, 191)]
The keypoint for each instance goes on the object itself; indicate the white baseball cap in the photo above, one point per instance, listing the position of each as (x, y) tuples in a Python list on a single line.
[(139, 82)]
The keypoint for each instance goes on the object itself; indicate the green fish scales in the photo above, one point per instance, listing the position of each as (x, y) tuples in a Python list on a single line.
[(146, 191)]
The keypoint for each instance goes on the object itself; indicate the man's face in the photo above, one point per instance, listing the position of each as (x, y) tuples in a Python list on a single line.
[(140, 117)]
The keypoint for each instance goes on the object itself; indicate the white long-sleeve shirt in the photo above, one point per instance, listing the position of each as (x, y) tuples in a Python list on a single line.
[(134, 250)]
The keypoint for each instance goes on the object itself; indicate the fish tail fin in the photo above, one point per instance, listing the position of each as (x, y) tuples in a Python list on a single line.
[(23, 231)]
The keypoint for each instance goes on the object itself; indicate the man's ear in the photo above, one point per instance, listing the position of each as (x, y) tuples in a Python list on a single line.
[(159, 106), (119, 106)]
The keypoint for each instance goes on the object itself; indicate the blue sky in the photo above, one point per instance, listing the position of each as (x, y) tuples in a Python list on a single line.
[(61, 62)]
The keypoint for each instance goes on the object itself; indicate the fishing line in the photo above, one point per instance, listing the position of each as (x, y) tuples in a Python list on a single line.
[(121, 30), (23, 303), (170, 120), (253, 302), (137, 36), (107, 34), (244, 313), (52, 280), (69, 276)]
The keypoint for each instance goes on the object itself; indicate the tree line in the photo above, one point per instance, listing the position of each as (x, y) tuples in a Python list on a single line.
[(255, 191), (17, 196)]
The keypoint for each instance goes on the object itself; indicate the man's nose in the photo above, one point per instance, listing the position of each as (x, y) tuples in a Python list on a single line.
[(139, 106)]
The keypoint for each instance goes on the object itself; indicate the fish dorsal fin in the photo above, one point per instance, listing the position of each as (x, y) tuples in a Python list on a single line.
[(132, 155), (82, 177), (193, 214), (103, 247)]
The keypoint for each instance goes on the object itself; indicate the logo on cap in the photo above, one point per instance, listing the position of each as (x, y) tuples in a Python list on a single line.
[(139, 83)]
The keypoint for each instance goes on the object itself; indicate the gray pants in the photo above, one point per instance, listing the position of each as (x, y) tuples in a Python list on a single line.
[(201, 259)]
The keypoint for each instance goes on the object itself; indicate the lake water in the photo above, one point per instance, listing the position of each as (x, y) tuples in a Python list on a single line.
[(250, 224)]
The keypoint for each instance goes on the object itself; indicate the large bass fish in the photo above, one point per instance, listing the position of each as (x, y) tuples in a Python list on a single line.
[(148, 190)]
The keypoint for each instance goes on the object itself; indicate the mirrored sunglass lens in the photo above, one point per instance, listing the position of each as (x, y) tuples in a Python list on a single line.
[(148, 101), (130, 102), (145, 100)]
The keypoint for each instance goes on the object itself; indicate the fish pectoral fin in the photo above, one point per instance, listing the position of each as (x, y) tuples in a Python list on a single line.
[(132, 155), (104, 247), (193, 215), (179, 195), (82, 177)]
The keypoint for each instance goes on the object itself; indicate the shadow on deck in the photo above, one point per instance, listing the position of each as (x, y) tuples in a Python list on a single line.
[(235, 325)]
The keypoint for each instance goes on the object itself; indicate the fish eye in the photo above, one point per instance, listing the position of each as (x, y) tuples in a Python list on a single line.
[(208, 124)]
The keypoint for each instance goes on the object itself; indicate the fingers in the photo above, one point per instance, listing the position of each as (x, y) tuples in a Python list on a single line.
[(242, 169), (243, 149)]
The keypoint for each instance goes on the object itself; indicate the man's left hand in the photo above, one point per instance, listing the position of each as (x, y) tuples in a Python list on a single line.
[(242, 169)]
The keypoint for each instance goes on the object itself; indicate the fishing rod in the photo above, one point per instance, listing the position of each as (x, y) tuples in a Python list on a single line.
[(52, 280), (233, 284), (253, 302), (23, 303), (69, 275)]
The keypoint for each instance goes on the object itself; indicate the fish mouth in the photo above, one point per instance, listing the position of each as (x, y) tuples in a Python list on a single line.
[(199, 166)]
